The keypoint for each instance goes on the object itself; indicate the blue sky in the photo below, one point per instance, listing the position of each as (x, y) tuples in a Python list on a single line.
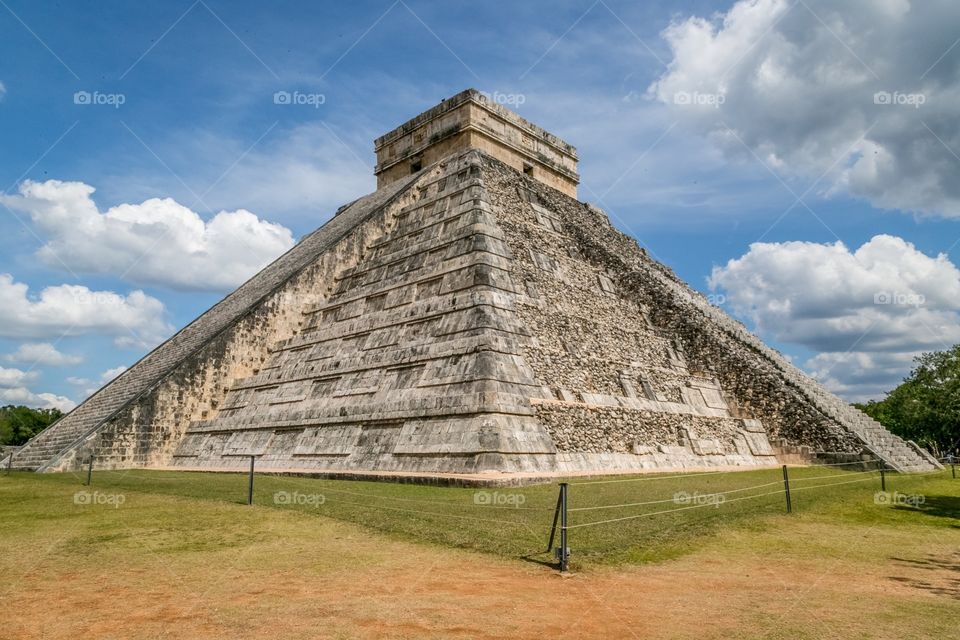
[(797, 156)]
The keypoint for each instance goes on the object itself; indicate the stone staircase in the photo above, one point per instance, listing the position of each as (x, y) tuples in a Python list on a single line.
[(901, 455)]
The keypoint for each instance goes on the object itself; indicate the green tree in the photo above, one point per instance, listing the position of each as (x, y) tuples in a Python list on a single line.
[(926, 407), (18, 423)]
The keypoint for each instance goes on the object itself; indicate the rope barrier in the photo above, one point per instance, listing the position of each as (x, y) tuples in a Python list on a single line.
[(321, 489), (640, 504), (831, 484), (838, 464), (832, 475), (657, 477), (658, 513)]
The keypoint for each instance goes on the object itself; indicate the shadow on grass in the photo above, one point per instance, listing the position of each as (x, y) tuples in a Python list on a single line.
[(941, 574), (938, 506)]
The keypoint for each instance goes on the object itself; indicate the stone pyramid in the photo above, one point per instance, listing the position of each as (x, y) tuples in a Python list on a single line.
[(470, 316)]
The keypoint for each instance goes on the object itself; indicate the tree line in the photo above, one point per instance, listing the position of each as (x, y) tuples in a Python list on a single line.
[(18, 423), (925, 408)]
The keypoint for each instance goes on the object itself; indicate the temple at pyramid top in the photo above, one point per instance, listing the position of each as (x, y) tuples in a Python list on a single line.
[(471, 120)]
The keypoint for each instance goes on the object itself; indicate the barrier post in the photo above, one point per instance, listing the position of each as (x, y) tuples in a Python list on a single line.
[(250, 487), (10, 464), (786, 488), (883, 476), (90, 470), (553, 527), (564, 551)]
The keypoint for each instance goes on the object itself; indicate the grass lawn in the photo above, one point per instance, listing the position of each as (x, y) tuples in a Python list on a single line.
[(148, 553)]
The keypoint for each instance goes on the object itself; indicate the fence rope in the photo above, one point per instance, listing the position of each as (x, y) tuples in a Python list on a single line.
[(830, 484), (840, 464), (654, 477), (658, 513), (640, 504), (831, 475), (321, 489)]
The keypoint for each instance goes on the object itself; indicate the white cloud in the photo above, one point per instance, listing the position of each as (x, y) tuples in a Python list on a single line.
[(158, 241), (42, 353), (867, 312), (23, 396), (13, 391), (795, 83), (133, 320), (15, 377)]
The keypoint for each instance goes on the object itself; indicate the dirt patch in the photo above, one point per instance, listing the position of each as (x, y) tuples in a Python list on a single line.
[(412, 591)]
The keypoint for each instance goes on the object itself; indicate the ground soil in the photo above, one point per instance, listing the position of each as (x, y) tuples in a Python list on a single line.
[(279, 589)]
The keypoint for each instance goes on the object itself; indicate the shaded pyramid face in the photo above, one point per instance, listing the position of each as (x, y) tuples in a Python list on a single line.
[(467, 318)]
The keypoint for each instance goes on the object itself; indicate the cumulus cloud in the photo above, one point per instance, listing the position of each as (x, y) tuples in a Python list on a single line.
[(867, 312), (23, 396), (134, 320), (14, 391), (15, 377), (865, 93), (158, 241), (42, 353)]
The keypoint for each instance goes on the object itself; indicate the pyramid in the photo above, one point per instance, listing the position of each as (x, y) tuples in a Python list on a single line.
[(470, 316)]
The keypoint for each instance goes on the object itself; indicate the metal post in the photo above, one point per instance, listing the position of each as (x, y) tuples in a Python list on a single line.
[(953, 465), (883, 477), (90, 470), (553, 527), (250, 490), (564, 549), (10, 463), (786, 488)]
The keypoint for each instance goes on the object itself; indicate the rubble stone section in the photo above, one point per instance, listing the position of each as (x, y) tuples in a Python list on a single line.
[(757, 383), (618, 393)]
